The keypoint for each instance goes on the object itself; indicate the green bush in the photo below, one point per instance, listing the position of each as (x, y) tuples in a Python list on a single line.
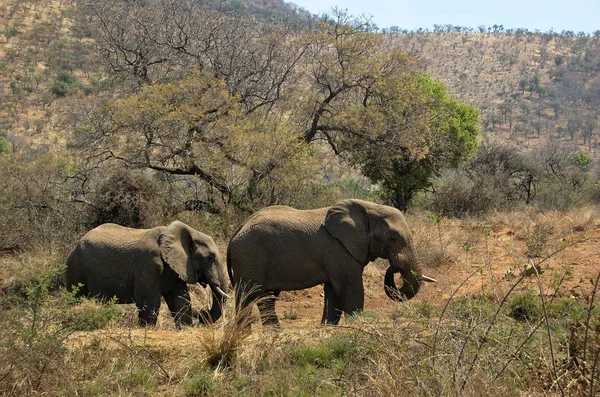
[(200, 384), (3, 144), (468, 308), (324, 354), (32, 327), (91, 316), (525, 307), (64, 83)]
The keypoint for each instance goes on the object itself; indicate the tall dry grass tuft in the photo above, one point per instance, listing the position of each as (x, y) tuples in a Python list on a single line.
[(582, 219), (222, 341)]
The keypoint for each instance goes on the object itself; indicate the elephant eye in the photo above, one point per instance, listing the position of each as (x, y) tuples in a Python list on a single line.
[(210, 259)]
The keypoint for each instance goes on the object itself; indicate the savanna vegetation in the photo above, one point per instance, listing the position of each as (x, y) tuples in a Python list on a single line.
[(142, 112)]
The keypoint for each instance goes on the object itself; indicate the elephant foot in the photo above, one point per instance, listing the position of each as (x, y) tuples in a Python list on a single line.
[(330, 322), (270, 320)]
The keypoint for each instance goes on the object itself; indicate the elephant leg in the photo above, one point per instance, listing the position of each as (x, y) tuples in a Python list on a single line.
[(148, 308), (353, 297), (179, 303), (332, 309), (266, 307)]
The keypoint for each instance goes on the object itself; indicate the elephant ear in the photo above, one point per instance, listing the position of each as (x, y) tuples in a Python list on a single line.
[(348, 221), (175, 244)]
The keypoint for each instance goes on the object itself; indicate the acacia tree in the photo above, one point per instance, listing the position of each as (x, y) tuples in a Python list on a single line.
[(264, 96), (196, 128)]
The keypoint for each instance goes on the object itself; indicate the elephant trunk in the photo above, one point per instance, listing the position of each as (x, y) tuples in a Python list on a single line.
[(218, 288), (216, 310), (410, 269)]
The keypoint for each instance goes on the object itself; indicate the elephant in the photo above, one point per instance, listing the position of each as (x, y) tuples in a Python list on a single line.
[(280, 248), (141, 265)]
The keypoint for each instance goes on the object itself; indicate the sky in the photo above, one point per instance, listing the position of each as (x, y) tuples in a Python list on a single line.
[(559, 15)]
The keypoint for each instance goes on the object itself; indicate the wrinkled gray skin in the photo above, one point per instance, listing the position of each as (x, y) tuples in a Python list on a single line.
[(280, 248), (141, 265)]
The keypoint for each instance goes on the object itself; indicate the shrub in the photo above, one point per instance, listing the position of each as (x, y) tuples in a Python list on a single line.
[(90, 315), (32, 337), (34, 201), (525, 307), (64, 83), (536, 238), (129, 198), (324, 354), (3, 144), (199, 384)]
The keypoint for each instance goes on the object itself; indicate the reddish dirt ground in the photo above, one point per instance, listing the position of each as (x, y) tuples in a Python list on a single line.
[(500, 257), (479, 261)]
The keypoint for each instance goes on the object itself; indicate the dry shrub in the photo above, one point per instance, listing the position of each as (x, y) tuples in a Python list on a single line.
[(456, 196), (580, 219), (222, 342), (35, 205), (19, 269), (129, 198), (536, 237), (219, 226), (514, 220)]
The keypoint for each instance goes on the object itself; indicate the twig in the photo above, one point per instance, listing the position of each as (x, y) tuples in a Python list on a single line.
[(531, 333), (592, 391), (504, 301), (489, 328), (537, 275), (437, 330), (589, 315), (136, 346)]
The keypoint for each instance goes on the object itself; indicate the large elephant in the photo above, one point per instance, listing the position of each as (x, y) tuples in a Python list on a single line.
[(141, 265), (280, 248)]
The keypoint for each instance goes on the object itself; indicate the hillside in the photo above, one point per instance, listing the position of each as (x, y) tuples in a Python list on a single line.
[(528, 86)]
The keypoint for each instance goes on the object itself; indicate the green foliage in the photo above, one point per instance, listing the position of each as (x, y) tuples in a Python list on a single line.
[(64, 83), (323, 355), (89, 316), (570, 311), (418, 139), (525, 307), (582, 160), (468, 308), (33, 335), (426, 309), (3, 144), (361, 315), (200, 384)]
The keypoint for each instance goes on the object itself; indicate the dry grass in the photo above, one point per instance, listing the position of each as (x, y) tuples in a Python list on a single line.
[(520, 335)]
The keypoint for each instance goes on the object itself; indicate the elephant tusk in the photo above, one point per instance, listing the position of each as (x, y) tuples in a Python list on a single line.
[(220, 291), (429, 279)]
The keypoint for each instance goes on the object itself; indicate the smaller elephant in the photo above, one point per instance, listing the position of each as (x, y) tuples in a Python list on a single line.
[(141, 265)]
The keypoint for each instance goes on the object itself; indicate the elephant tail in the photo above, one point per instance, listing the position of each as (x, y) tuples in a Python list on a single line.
[(229, 269)]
